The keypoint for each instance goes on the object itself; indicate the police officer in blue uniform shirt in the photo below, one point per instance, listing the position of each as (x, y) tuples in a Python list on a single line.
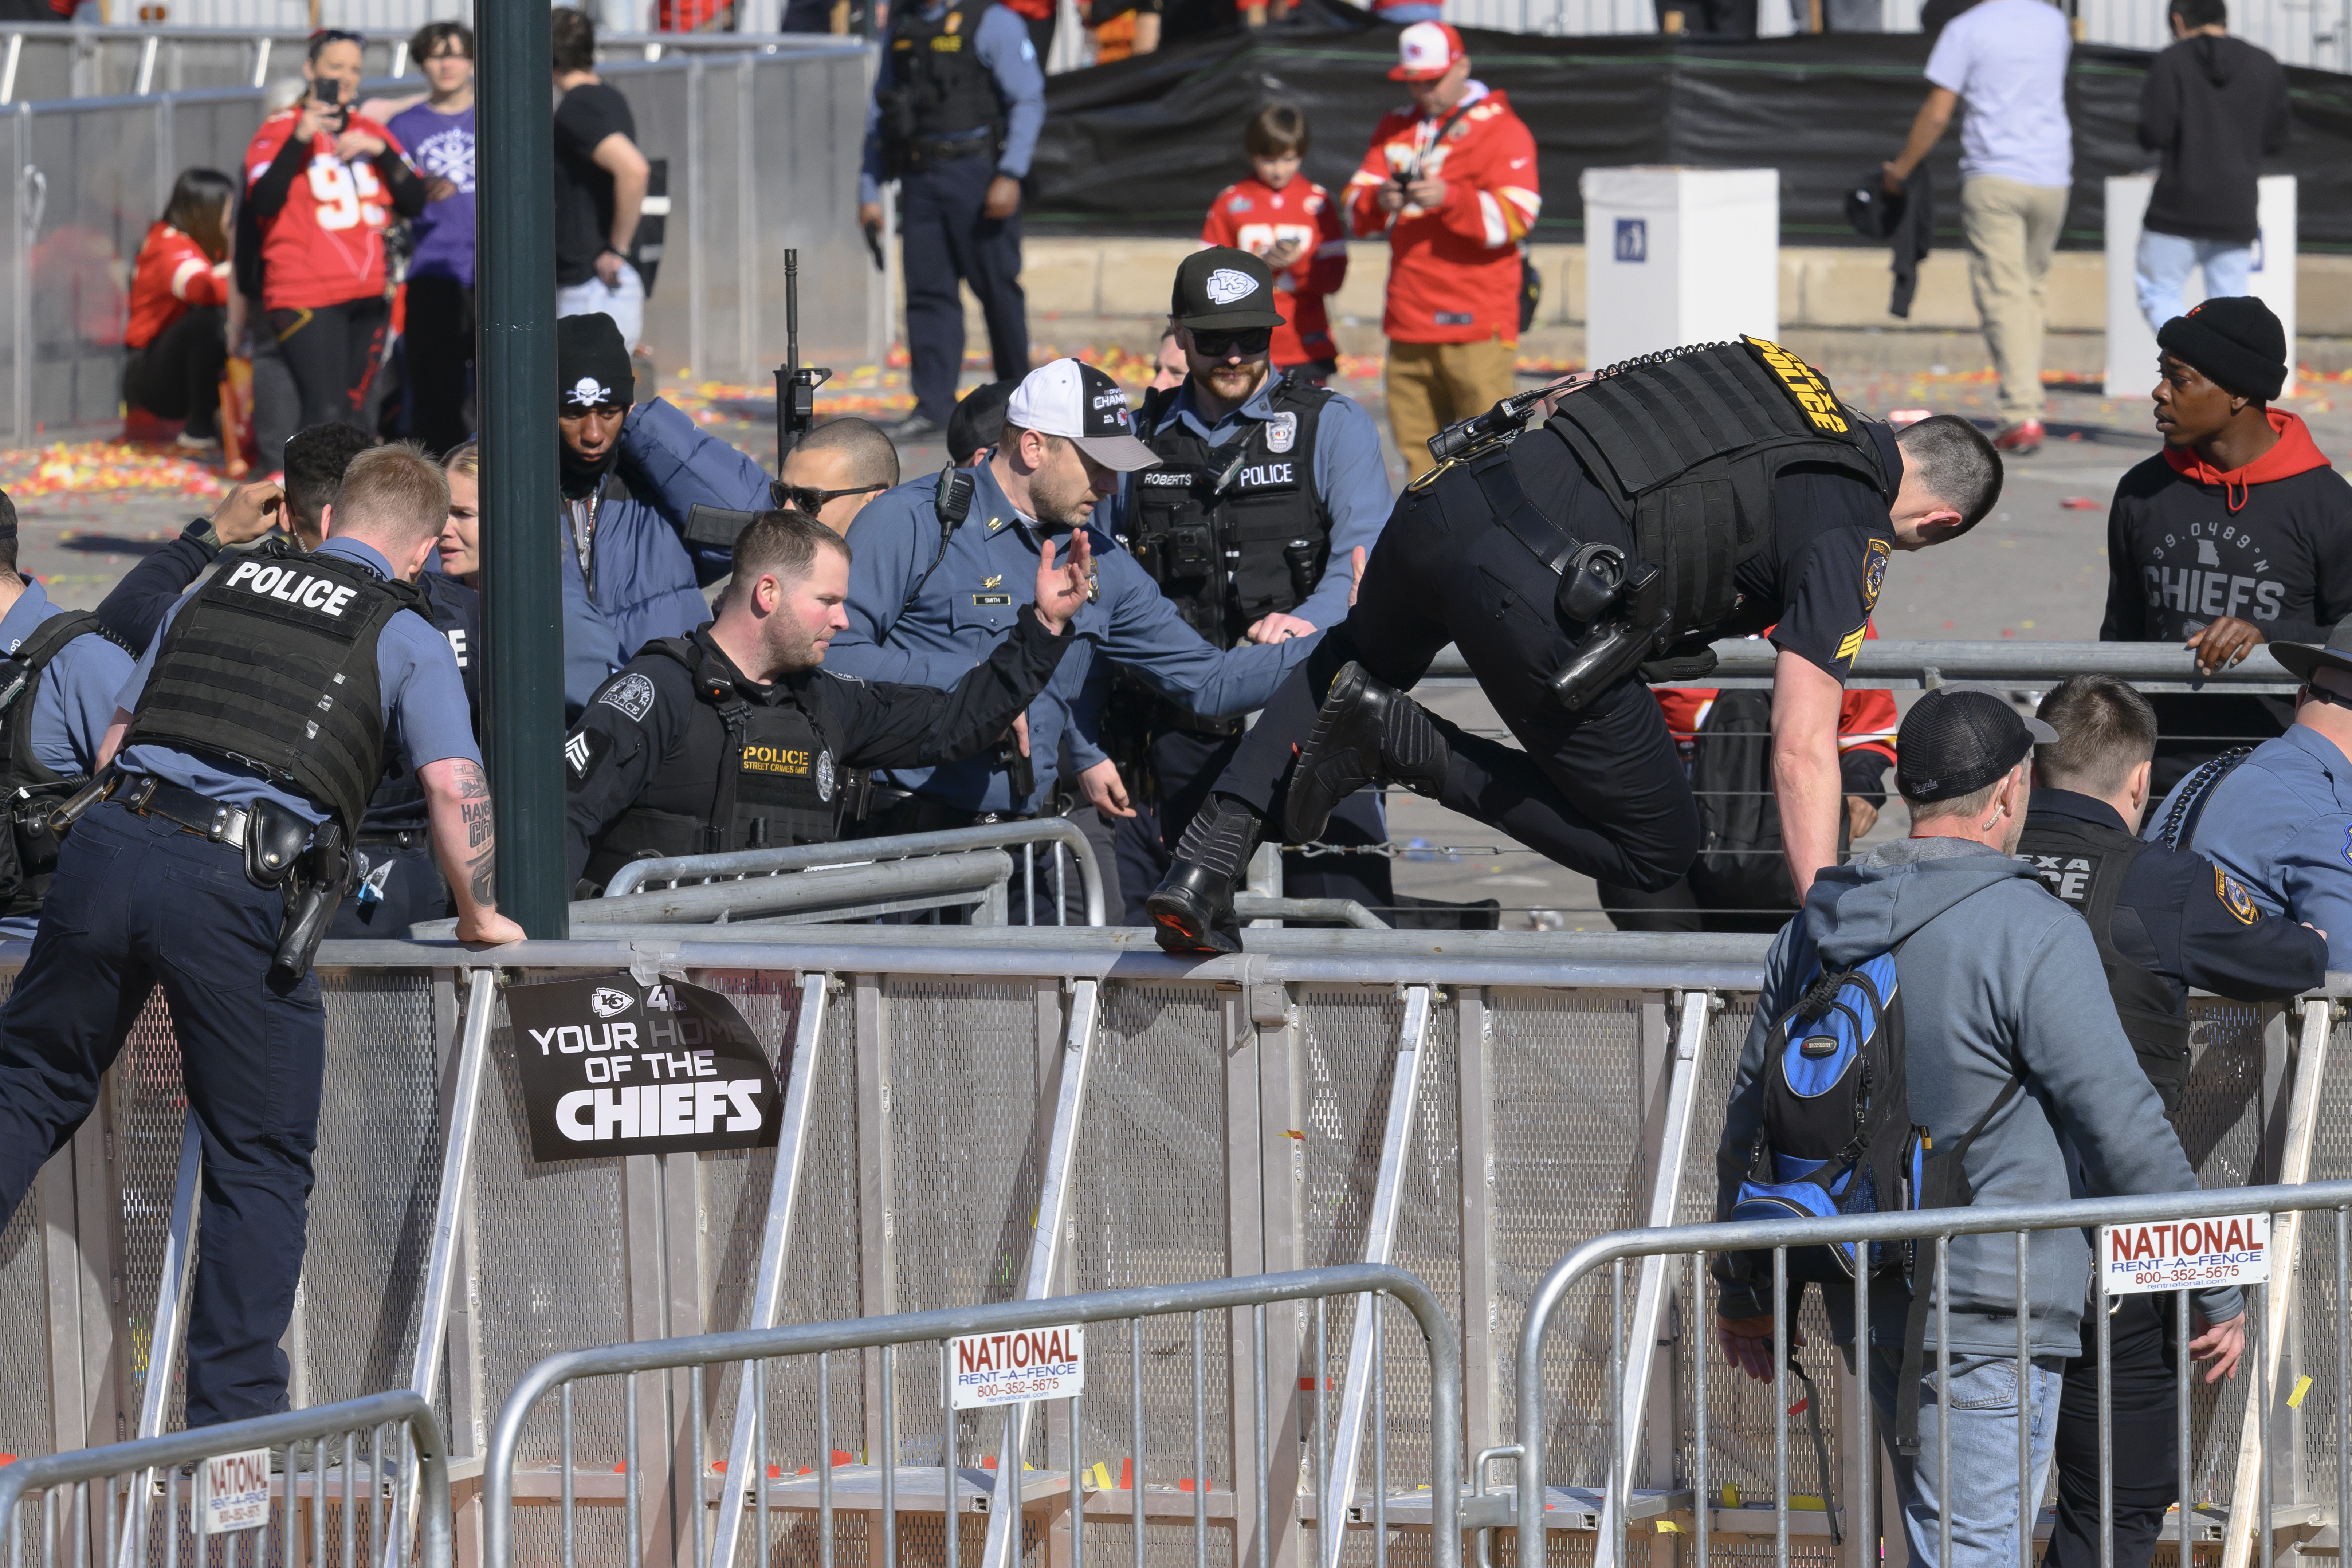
[(1267, 486), (2278, 819), (2165, 920), (631, 478), (245, 744), (930, 595), (58, 682), (957, 107), (400, 884)]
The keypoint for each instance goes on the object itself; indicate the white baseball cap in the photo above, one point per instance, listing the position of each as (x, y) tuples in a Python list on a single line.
[(1078, 402), (1425, 51)]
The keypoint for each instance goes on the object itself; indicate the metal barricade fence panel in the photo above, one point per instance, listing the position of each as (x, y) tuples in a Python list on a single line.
[(1149, 1208), (1428, 1245), (99, 165), (150, 1111), (725, 220), (2321, 1264), (1567, 1126), (814, 105)]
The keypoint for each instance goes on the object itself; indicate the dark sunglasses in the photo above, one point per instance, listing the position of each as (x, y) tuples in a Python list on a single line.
[(800, 498), (1246, 342)]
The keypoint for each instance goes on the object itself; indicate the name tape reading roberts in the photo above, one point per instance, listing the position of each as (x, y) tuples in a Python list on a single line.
[(2173, 1255), (989, 1370), (235, 1490)]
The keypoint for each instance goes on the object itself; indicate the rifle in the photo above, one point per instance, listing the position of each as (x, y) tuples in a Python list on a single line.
[(796, 383)]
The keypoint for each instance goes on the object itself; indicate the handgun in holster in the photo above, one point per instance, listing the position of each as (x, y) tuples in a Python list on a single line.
[(311, 868), (1020, 769), (1620, 604)]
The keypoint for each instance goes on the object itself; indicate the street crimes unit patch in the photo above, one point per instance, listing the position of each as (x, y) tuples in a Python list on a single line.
[(609, 1067)]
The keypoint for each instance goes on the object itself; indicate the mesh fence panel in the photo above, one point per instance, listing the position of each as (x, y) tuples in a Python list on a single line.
[(2321, 1309), (150, 1110), (25, 1421), (2221, 1119), (1567, 1116)]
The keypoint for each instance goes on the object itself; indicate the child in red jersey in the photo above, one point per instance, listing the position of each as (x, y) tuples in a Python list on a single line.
[(178, 335), (324, 181), (1295, 226)]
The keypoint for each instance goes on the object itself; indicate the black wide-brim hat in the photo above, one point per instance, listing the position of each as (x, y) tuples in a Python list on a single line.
[(2300, 659)]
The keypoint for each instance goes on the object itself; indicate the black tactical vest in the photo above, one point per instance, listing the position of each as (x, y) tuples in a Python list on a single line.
[(28, 858), (1236, 532), (2085, 863), (940, 88), (1686, 445), (271, 666), (773, 771), (398, 804)]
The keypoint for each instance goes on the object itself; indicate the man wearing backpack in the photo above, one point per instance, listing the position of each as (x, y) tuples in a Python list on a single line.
[(2164, 918), (2016, 1069)]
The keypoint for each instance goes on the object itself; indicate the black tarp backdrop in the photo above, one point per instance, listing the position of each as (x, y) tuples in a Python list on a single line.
[(1142, 146)]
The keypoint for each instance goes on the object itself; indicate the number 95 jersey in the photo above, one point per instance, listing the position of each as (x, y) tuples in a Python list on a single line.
[(325, 247)]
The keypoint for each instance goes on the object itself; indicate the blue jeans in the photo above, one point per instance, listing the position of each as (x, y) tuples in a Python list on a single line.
[(2161, 269), (1984, 1504)]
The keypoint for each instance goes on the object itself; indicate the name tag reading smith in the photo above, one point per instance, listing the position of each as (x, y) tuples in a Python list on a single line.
[(610, 1066)]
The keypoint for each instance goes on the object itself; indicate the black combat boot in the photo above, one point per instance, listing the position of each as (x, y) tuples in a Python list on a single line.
[(1367, 734), (1192, 912)]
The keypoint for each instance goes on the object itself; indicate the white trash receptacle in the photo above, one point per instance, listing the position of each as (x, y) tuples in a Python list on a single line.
[(2131, 342), (1676, 256)]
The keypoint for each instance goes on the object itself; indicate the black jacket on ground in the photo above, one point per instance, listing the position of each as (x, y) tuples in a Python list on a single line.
[(662, 750), (2213, 108)]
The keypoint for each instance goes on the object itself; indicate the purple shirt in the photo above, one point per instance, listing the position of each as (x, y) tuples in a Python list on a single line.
[(442, 145)]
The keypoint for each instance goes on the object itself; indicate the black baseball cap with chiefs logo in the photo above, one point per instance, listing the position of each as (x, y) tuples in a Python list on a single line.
[(1221, 290), (1080, 402)]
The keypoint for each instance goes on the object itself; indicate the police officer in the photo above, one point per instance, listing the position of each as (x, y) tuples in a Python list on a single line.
[(957, 107), (737, 738), (58, 682), (631, 478), (249, 735), (1265, 480), (400, 884), (1716, 490), (943, 566), (2276, 819), (2165, 920)]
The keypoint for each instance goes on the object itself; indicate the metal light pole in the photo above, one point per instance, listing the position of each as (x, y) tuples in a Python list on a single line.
[(523, 668)]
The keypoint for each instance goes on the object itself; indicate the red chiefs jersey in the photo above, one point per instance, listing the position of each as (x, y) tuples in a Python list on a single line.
[(1866, 720), (172, 273), (1250, 215), (1455, 272), (326, 245)]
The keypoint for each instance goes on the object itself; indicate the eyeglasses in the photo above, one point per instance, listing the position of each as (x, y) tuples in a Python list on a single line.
[(1248, 341), (800, 498)]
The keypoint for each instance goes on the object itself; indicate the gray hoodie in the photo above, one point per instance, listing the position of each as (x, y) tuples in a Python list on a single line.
[(1996, 976)]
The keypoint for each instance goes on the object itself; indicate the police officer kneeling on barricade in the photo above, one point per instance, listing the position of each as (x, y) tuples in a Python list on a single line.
[(1706, 491), (2165, 920), (1266, 480), (737, 738), (210, 862)]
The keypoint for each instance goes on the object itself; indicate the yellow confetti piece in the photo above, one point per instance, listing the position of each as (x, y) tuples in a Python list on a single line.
[(1668, 1527), (2301, 1387)]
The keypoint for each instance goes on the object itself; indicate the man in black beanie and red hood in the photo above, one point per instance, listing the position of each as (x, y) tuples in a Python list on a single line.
[(2236, 534)]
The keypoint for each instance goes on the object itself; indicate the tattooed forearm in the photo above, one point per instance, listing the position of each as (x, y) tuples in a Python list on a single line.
[(481, 878), (464, 828)]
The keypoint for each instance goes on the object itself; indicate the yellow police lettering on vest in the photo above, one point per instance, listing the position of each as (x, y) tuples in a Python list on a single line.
[(1812, 393), (293, 586), (775, 759), (947, 46)]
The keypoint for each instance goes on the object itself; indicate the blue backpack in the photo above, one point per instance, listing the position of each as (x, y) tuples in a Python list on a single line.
[(1836, 1138)]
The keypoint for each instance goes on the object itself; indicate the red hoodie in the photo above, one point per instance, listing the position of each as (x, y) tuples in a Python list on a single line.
[(2295, 453)]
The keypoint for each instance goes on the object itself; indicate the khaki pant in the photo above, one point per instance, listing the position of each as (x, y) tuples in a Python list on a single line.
[(2011, 229), (1431, 385)]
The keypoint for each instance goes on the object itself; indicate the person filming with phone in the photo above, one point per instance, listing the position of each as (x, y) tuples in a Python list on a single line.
[(323, 181)]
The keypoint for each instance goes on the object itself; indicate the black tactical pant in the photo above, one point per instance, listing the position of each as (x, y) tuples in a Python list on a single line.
[(1602, 791), (2144, 1428)]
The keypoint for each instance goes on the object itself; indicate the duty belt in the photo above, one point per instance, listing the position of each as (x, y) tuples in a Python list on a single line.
[(925, 150), (148, 795), (399, 838)]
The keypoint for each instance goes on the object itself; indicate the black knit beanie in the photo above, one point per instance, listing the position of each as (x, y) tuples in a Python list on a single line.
[(2235, 341)]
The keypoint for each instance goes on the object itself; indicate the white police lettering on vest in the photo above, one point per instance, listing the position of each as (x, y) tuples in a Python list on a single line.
[(609, 1067), (988, 1370), (293, 585), (1263, 476), (2171, 1255)]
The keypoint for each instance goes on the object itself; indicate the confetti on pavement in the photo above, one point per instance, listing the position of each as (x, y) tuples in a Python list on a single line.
[(101, 467)]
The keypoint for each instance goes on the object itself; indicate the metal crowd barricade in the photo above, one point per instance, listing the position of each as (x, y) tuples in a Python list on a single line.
[(2251, 1525), (864, 887), (895, 1497), (140, 1502)]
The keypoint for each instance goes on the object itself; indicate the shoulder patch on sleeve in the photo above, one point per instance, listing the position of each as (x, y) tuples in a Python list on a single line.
[(2234, 897), (1876, 557), (583, 750), (632, 693)]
